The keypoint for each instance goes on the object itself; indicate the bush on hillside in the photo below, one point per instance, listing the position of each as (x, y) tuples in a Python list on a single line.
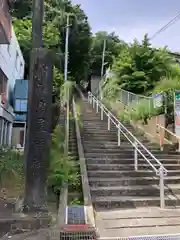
[(62, 168), (143, 111)]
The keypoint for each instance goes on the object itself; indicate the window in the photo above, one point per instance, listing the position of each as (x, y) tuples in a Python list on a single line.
[(21, 105)]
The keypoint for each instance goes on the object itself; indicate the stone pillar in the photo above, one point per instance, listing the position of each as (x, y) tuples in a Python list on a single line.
[(38, 139)]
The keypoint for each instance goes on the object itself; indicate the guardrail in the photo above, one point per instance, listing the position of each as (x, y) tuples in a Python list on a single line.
[(128, 97), (124, 96), (162, 136), (160, 171)]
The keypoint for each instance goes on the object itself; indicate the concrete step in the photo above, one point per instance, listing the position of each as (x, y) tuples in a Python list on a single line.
[(144, 190), (126, 181), (139, 173), (121, 150), (126, 233), (114, 202), (117, 160), (112, 145), (122, 155), (106, 167), (138, 222)]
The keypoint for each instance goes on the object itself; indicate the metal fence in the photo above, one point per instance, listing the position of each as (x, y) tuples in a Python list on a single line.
[(127, 97)]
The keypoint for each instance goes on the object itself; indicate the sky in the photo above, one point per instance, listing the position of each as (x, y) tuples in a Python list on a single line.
[(131, 19)]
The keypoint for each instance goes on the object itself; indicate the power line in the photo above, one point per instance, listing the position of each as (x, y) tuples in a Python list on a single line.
[(167, 25)]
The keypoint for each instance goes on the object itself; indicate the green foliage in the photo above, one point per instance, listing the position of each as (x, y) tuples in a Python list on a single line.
[(67, 91), (11, 166), (51, 38), (78, 115), (58, 80), (113, 47), (139, 111), (54, 34), (22, 8), (139, 66), (110, 90), (62, 168), (75, 201), (168, 85)]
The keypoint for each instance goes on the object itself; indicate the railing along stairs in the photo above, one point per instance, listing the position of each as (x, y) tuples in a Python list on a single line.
[(139, 148)]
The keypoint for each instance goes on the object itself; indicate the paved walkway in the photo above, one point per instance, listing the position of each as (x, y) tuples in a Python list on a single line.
[(138, 222)]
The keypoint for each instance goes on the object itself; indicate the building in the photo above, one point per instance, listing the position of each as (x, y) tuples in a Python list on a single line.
[(11, 68), (20, 110)]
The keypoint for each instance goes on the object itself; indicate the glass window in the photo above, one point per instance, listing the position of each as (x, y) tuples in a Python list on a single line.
[(21, 105)]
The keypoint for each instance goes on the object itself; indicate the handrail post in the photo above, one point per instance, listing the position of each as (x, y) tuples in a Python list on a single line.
[(161, 136), (178, 145), (121, 96), (101, 112), (135, 156), (93, 101), (128, 100), (97, 105), (161, 186), (119, 134), (109, 122), (91, 98)]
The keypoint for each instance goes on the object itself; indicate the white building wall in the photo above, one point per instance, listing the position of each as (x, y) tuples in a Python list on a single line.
[(12, 64), (12, 61)]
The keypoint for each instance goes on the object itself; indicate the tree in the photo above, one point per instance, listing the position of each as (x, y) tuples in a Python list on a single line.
[(51, 39), (113, 47), (139, 66), (55, 22), (22, 8)]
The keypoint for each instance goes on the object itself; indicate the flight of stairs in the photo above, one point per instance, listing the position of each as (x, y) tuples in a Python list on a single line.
[(116, 186)]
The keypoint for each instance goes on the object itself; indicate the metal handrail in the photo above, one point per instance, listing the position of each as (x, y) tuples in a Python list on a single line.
[(135, 139), (161, 171), (168, 131)]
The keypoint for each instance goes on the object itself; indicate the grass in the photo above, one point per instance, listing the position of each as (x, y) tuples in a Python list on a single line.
[(11, 173)]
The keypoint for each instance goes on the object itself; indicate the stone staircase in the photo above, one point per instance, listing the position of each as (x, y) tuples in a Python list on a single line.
[(121, 194)]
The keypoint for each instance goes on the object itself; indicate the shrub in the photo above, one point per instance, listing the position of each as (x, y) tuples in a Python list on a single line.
[(62, 168), (11, 166), (139, 111)]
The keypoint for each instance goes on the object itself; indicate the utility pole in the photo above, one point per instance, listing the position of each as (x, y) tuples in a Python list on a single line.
[(37, 146), (103, 57), (102, 67), (66, 50)]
